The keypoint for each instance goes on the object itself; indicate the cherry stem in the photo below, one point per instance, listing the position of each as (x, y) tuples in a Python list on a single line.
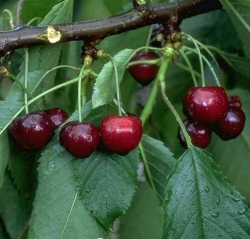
[(11, 21), (150, 103), (209, 65), (168, 56), (38, 97), (34, 19), (222, 55), (23, 87), (199, 55), (160, 77), (140, 49), (118, 95), (149, 35), (177, 116), (80, 77), (52, 69), (26, 56), (208, 51), (145, 162), (189, 66), (186, 68), (148, 62)]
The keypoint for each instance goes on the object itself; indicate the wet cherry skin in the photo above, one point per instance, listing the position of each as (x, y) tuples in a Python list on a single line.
[(121, 134), (206, 104), (234, 100), (80, 139), (199, 133), (32, 131), (231, 125), (144, 73), (57, 116)]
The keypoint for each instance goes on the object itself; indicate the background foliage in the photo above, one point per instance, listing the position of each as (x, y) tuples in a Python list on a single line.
[(51, 195)]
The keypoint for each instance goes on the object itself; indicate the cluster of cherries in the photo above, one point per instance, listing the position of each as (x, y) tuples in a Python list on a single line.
[(120, 134), (33, 131), (209, 109)]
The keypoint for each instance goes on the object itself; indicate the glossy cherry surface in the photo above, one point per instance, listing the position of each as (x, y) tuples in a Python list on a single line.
[(79, 139), (206, 104), (144, 73), (32, 131), (234, 101), (199, 133), (121, 134), (231, 125), (57, 116)]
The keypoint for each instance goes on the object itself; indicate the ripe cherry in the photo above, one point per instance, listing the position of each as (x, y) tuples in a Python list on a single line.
[(79, 139), (231, 125), (57, 116), (234, 101), (32, 131), (206, 104), (199, 133), (144, 73), (121, 134)]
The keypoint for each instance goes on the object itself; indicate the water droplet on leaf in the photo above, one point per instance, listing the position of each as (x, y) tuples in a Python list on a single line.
[(218, 200), (215, 215), (236, 199), (207, 189), (242, 212), (51, 165)]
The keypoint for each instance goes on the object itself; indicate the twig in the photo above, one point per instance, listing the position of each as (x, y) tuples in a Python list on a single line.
[(27, 36)]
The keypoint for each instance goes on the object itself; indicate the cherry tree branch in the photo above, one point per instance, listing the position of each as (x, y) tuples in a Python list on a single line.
[(27, 36)]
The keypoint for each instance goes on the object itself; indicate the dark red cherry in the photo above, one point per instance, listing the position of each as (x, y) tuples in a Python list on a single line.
[(32, 131), (206, 104), (234, 101), (231, 125), (79, 139), (199, 133), (121, 134), (144, 73), (57, 116)]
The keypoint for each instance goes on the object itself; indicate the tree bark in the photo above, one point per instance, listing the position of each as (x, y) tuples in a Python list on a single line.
[(27, 36)]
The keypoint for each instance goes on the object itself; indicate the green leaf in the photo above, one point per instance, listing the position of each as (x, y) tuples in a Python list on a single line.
[(105, 86), (14, 209), (41, 59), (245, 2), (233, 155), (60, 13), (3, 233), (107, 183), (36, 8), (4, 155), (22, 166), (57, 196), (160, 163), (200, 203), (240, 64), (58, 212), (144, 218), (239, 13)]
